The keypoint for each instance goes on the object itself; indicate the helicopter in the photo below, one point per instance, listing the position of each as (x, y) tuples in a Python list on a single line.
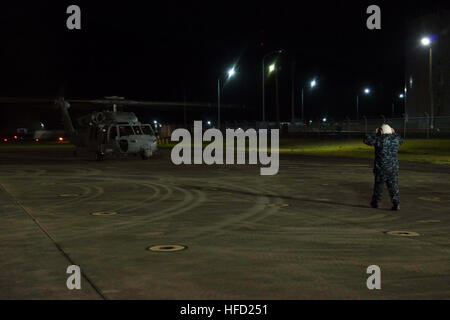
[(109, 132)]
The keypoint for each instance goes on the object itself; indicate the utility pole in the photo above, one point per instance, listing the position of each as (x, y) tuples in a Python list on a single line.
[(293, 91), (431, 90), (218, 103), (184, 108), (303, 119), (263, 92), (357, 107), (277, 100)]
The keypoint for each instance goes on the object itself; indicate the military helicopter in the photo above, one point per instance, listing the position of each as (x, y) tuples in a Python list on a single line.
[(109, 132)]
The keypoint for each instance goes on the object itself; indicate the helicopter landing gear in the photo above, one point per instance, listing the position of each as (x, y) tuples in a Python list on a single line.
[(99, 156), (146, 154), (75, 153)]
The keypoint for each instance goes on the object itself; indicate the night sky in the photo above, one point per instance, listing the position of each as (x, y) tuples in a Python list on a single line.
[(153, 51)]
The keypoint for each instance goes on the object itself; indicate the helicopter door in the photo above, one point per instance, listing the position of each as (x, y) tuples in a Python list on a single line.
[(112, 134), (124, 132)]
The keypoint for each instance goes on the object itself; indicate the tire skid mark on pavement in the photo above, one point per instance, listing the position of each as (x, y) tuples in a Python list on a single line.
[(220, 228), (98, 192)]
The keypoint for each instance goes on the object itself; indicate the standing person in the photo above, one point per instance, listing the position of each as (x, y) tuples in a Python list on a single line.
[(386, 143)]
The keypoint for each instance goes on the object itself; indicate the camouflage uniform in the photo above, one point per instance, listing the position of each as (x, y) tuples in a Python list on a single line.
[(386, 164)]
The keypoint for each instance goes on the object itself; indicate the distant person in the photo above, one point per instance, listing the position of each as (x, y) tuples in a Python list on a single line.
[(386, 143)]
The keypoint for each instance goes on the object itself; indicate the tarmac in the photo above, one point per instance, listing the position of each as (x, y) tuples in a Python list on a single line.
[(306, 233)]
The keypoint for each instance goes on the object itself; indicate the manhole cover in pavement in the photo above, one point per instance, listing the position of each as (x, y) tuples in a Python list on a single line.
[(69, 195), (104, 213), (167, 248), (435, 199), (402, 233)]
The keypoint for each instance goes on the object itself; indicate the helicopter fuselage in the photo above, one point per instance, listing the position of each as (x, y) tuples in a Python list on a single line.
[(107, 133)]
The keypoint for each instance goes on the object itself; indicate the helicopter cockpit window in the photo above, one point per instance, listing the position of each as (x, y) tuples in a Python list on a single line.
[(125, 131), (137, 130), (147, 129)]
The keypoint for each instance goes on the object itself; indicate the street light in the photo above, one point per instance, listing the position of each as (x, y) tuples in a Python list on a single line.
[(366, 91), (400, 96), (231, 72), (426, 42), (271, 69), (312, 85)]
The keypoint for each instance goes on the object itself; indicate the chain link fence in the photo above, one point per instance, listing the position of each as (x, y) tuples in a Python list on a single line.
[(412, 127), (417, 127)]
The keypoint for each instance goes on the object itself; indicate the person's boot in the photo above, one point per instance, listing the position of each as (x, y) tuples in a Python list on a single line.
[(395, 207), (374, 204)]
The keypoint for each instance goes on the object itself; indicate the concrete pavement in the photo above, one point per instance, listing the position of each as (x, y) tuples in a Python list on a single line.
[(306, 233)]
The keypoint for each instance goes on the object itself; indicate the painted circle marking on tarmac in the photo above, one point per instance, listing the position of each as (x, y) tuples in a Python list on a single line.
[(167, 248), (69, 195), (402, 233), (428, 221), (435, 199), (104, 213)]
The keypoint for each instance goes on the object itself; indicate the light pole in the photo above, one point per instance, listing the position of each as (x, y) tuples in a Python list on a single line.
[(401, 96), (426, 42), (263, 82), (312, 84), (231, 72), (366, 91), (273, 68)]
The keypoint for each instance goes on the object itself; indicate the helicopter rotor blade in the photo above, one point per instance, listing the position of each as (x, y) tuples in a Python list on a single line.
[(119, 102), (166, 104), (26, 100)]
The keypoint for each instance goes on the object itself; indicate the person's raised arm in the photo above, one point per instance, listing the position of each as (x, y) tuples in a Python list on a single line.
[(371, 138)]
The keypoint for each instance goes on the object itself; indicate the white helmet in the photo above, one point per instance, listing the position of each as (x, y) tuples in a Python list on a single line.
[(386, 129)]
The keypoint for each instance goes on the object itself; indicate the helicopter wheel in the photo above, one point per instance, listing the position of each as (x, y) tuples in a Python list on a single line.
[(99, 156), (145, 155)]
